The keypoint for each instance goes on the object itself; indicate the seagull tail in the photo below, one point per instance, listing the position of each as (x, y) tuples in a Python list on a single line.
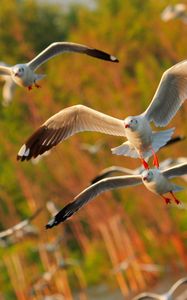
[(177, 188), (40, 76), (125, 149), (160, 138)]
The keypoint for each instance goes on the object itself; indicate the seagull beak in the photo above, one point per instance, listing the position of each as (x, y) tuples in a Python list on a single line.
[(127, 126)]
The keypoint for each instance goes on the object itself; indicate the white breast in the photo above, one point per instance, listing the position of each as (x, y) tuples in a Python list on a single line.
[(141, 139), (27, 79), (160, 185)]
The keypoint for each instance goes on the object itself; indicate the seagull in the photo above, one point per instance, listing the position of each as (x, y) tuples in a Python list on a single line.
[(177, 11), (124, 265), (22, 226), (154, 180), (142, 141), (166, 296), (47, 276), (8, 88), (117, 169), (24, 74), (164, 164)]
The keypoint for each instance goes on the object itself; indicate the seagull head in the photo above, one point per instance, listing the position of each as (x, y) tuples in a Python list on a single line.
[(148, 175), (131, 123), (18, 70)]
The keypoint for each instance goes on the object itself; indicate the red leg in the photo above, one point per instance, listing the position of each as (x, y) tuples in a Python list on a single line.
[(30, 87), (145, 164), (155, 159), (176, 200), (167, 200)]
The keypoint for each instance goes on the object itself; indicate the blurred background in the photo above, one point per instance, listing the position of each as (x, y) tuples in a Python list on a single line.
[(123, 242)]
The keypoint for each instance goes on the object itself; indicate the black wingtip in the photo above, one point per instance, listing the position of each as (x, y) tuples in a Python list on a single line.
[(115, 60), (51, 223), (95, 179), (112, 58), (66, 212), (175, 140)]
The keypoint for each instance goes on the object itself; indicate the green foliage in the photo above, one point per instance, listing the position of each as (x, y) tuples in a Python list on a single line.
[(96, 264)]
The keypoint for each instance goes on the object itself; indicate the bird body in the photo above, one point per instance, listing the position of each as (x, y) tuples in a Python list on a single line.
[(155, 181), (142, 141), (139, 135), (24, 76)]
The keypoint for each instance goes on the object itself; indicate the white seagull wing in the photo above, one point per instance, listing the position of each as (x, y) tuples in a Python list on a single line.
[(66, 123), (19, 225), (5, 70), (111, 170), (147, 296), (8, 90), (92, 192), (170, 95), (61, 47), (178, 283), (178, 170), (13, 229)]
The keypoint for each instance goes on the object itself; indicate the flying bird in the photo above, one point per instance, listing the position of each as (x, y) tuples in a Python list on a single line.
[(177, 11), (153, 179), (8, 88), (164, 164), (142, 141), (118, 169), (124, 265), (22, 226), (41, 282), (166, 296), (24, 74)]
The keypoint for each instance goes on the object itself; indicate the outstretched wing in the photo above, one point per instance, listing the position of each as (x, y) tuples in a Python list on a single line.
[(61, 47), (92, 192), (175, 171), (170, 95), (8, 90), (111, 170), (66, 123), (147, 296), (177, 284), (5, 70), (20, 225)]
